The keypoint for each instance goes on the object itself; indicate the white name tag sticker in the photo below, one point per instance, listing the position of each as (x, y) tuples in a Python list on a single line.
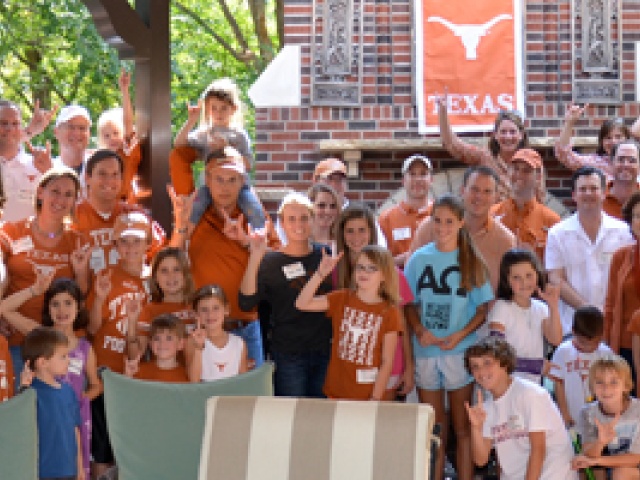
[(97, 261), (366, 375), (113, 256), (75, 365), (294, 270), (21, 245), (401, 233)]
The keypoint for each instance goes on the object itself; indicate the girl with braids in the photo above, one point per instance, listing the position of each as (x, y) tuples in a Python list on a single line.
[(451, 285)]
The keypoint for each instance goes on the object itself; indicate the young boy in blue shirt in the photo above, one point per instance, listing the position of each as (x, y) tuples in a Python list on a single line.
[(45, 352)]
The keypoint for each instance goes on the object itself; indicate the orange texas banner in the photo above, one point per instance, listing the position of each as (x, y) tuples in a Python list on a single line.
[(473, 50)]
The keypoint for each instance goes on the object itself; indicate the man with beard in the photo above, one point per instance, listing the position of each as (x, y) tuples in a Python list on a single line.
[(626, 166)]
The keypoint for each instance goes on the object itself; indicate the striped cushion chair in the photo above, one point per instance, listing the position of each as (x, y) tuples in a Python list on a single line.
[(251, 438)]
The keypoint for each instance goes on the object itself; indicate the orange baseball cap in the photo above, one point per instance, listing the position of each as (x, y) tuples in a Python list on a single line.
[(327, 167), (529, 156)]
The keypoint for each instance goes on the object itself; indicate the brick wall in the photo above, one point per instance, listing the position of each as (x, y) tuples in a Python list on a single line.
[(287, 139)]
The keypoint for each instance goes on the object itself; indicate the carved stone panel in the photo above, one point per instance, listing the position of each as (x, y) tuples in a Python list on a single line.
[(336, 52), (596, 36)]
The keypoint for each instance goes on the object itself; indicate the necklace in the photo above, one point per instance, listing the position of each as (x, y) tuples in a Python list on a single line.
[(49, 235)]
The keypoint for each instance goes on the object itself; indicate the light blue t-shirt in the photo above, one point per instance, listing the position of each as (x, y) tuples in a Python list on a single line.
[(445, 307)]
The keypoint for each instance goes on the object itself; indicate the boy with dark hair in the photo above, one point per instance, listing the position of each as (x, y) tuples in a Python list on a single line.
[(520, 420), (571, 361), (45, 352), (166, 340)]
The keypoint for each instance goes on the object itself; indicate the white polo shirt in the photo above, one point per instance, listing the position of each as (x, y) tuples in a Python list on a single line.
[(19, 180), (586, 264)]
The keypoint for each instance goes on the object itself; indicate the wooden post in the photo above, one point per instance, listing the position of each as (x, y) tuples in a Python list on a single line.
[(143, 35)]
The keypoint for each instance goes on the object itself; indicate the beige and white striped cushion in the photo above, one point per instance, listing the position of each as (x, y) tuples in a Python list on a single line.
[(266, 438)]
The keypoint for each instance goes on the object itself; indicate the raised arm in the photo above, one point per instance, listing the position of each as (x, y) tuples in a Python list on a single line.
[(10, 305), (249, 284), (307, 301), (552, 326), (480, 446), (193, 114), (124, 82), (102, 287)]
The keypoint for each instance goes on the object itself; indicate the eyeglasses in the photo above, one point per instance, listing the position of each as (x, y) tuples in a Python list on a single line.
[(366, 268)]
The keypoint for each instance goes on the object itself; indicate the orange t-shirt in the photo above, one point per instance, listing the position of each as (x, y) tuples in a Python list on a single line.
[(109, 341), (23, 253), (220, 260), (399, 224), (99, 230), (6, 371), (356, 352), (150, 371), (153, 309), (180, 160), (530, 225), (131, 156)]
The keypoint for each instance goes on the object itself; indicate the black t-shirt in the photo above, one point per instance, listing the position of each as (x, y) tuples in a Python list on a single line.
[(280, 280)]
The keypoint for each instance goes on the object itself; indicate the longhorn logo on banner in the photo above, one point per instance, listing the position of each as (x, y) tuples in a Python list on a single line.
[(473, 49)]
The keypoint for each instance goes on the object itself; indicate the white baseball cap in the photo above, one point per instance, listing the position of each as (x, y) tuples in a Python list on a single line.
[(72, 111)]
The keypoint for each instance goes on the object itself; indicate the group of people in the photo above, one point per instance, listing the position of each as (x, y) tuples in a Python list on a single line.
[(461, 297)]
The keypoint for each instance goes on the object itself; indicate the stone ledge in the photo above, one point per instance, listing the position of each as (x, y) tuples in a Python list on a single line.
[(431, 143)]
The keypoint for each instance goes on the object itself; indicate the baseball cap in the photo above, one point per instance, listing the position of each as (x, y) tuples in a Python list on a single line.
[(326, 167), (72, 111), (134, 224), (228, 158), (530, 156), (416, 158)]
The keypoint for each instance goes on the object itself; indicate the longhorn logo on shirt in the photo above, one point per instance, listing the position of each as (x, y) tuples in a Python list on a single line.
[(470, 35), (358, 336), (45, 269), (221, 366)]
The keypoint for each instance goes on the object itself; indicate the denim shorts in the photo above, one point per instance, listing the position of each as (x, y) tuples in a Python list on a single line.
[(446, 372)]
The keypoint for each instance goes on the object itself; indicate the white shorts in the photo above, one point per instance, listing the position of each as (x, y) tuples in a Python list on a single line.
[(446, 372)]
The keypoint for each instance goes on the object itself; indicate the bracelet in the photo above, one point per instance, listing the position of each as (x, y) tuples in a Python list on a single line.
[(182, 230), (134, 340)]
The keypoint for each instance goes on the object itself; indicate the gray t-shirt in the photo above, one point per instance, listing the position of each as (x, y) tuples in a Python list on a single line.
[(237, 138), (627, 429)]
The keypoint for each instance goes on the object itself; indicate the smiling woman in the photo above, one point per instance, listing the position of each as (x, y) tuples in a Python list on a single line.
[(44, 243)]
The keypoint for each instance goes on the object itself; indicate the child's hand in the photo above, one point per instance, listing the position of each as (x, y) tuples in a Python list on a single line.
[(451, 341), (193, 111), (132, 308), (426, 338), (124, 80), (477, 414), (582, 461), (80, 258), (41, 156), (217, 142), (328, 263), (199, 335), (406, 382), (26, 376), (131, 367), (550, 294), (607, 431), (547, 366), (44, 277), (103, 284)]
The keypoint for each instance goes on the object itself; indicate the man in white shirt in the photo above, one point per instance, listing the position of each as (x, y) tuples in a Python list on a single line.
[(580, 247), (19, 175), (73, 131)]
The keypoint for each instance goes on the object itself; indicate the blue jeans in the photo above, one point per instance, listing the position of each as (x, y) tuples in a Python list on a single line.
[(300, 374), (248, 203), (253, 339), (18, 364)]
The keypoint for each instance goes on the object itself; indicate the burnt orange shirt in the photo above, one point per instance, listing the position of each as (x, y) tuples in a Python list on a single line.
[(23, 254), (530, 225), (6, 371), (399, 224), (356, 352), (153, 309), (131, 156), (98, 229), (180, 160), (219, 260), (612, 205), (150, 371), (109, 341)]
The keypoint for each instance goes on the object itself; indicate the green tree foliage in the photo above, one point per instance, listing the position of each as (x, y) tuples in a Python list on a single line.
[(50, 51)]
